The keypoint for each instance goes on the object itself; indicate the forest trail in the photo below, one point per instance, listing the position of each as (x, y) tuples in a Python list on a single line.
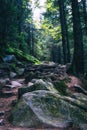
[(10, 86), (34, 91)]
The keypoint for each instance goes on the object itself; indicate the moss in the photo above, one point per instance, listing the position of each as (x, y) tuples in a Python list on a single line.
[(61, 87), (18, 113), (48, 107), (78, 115), (20, 55)]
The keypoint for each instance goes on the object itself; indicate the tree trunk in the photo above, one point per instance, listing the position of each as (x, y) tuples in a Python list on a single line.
[(78, 56), (20, 15), (65, 41), (29, 37), (85, 14), (32, 41)]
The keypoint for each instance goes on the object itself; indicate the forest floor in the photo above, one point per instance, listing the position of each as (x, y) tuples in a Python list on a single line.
[(7, 101)]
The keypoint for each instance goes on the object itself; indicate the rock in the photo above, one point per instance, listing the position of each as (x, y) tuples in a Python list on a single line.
[(30, 84), (12, 74), (21, 81), (20, 71), (9, 87), (48, 63), (34, 80), (52, 76), (37, 85), (19, 64), (83, 127), (4, 81), (79, 89), (1, 122), (12, 85), (16, 84), (9, 58), (45, 108), (44, 85), (30, 76)]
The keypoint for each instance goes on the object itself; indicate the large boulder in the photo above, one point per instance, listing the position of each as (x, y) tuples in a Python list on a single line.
[(38, 84), (49, 109)]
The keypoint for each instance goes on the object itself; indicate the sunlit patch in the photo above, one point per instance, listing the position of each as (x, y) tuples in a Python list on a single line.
[(37, 11), (79, 0)]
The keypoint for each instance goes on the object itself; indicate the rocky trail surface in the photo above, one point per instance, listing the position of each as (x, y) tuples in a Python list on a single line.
[(49, 103)]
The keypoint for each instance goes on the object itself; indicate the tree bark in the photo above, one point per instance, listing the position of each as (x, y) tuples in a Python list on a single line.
[(20, 15), (77, 66), (85, 14), (65, 41)]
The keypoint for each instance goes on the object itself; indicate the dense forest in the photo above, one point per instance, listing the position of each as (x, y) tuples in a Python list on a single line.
[(43, 64)]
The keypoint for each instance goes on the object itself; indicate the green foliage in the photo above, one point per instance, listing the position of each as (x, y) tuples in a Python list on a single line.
[(22, 56), (18, 29)]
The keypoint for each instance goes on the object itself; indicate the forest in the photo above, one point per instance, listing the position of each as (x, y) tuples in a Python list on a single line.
[(43, 64)]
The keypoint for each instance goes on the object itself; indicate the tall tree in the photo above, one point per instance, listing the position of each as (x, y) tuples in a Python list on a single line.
[(12, 23), (78, 56), (85, 14), (8, 23), (65, 40), (20, 15)]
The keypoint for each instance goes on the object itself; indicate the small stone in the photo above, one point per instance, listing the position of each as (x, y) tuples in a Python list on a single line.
[(3, 82), (20, 71), (12, 74), (16, 84), (1, 122), (30, 84), (9, 58)]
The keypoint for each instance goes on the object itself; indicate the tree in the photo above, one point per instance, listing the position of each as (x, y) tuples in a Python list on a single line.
[(8, 23), (65, 40), (85, 14), (78, 56), (12, 23)]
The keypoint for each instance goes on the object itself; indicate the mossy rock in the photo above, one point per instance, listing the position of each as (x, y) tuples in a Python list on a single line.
[(20, 55), (39, 84), (49, 109)]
